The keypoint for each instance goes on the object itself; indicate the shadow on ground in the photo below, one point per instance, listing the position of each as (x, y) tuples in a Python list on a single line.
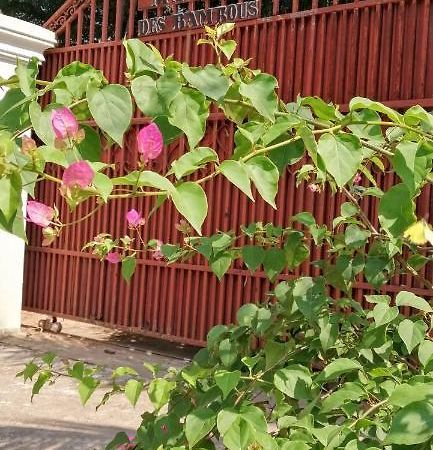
[(66, 436)]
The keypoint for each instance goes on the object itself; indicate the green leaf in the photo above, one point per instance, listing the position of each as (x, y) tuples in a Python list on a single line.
[(411, 425), (286, 154), (142, 58), (145, 178), (228, 47), (10, 195), (295, 251), (129, 265), (53, 155), (154, 97), (228, 352), (192, 161), (209, 80), (349, 391), (425, 352), (264, 175), (293, 381), (29, 371), (90, 147), (310, 297), (159, 391), (364, 103), (133, 389), (384, 314), (337, 368), (220, 264), (43, 378), (274, 263), (119, 439), (341, 154), (328, 333), (411, 333), (261, 93), (227, 381), (190, 200), (189, 112), (356, 237), (198, 424), (87, 387), (14, 114), (27, 73), (41, 123), (368, 132), (253, 256), (411, 168), (322, 110), (111, 107), (103, 185), (236, 173), (396, 210), (405, 394), (405, 298)]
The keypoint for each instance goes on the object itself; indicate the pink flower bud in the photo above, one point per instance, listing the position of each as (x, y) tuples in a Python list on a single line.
[(27, 144), (157, 254), (78, 174), (150, 142), (313, 187), (357, 178), (39, 214), (64, 123), (113, 258), (134, 219)]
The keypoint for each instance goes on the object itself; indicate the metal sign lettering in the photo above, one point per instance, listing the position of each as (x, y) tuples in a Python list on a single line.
[(199, 18)]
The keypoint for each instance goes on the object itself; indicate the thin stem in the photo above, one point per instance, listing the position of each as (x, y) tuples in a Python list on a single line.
[(369, 411), (82, 219)]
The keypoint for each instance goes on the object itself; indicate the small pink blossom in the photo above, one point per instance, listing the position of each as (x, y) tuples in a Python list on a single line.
[(113, 258), (357, 178), (150, 142), (64, 123), (314, 187), (157, 254), (134, 219), (78, 174), (39, 214)]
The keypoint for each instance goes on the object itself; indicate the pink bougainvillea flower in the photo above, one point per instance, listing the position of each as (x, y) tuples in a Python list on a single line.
[(78, 174), (39, 214), (113, 258), (64, 123), (134, 219), (150, 142), (357, 178), (27, 144), (157, 254)]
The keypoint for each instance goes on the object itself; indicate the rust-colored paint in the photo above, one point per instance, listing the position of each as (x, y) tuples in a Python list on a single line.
[(375, 48)]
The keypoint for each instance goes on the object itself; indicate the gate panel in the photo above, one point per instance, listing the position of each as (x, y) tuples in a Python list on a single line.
[(377, 48)]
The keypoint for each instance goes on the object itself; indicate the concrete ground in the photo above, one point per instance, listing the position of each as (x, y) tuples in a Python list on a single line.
[(56, 420)]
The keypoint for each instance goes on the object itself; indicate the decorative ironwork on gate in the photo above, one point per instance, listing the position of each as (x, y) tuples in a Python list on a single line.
[(335, 49)]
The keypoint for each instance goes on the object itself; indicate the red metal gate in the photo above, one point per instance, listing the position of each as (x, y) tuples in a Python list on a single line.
[(375, 48)]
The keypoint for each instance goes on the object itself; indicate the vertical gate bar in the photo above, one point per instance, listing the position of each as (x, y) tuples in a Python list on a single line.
[(105, 13)]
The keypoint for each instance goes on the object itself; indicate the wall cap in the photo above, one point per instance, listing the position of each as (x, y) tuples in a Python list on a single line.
[(23, 40)]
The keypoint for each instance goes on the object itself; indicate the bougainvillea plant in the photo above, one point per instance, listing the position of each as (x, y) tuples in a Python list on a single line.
[(300, 370)]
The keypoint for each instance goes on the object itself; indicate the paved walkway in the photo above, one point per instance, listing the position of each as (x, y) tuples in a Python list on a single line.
[(56, 420)]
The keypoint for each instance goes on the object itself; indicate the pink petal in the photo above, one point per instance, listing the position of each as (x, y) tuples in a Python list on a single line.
[(64, 123), (134, 218), (39, 214), (78, 174), (150, 142), (113, 258)]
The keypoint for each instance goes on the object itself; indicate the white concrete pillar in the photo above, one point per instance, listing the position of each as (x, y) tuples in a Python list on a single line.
[(18, 40)]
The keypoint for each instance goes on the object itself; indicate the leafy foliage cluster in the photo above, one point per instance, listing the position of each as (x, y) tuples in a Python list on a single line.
[(302, 370)]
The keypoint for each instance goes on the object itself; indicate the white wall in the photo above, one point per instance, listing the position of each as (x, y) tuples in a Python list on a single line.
[(18, 40)]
